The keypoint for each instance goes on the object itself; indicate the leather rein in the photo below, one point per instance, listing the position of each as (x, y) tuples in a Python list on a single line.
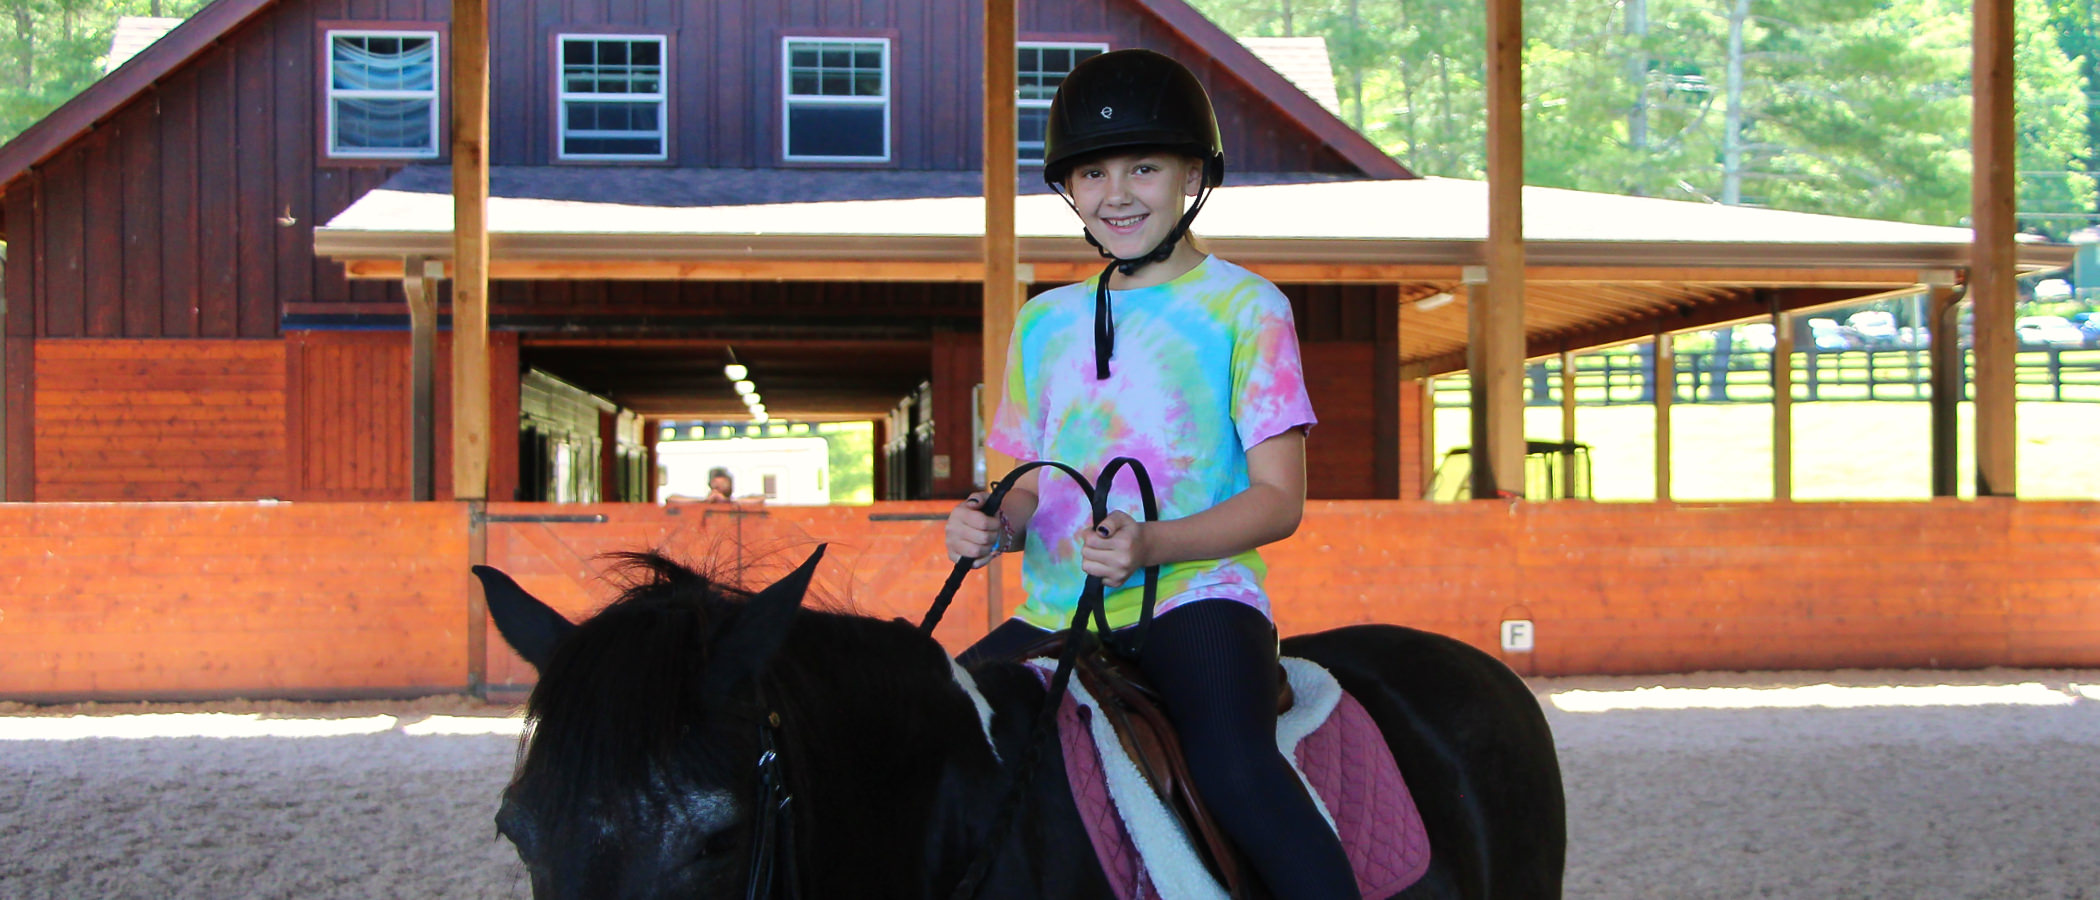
[(1091, 605), (774, 834)]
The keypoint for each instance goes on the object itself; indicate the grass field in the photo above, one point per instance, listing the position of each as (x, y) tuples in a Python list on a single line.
[(1842, 450)]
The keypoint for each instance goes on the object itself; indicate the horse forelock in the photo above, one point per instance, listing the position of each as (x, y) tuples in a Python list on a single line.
[(614, 709)]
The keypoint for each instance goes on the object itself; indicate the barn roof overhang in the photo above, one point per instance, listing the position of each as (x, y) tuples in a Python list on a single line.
[(1601, 268)]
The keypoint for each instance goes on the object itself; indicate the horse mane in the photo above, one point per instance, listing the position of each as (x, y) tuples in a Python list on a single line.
[(626, 689)]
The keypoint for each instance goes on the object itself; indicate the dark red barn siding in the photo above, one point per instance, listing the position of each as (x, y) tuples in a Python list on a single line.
[(191, 212)]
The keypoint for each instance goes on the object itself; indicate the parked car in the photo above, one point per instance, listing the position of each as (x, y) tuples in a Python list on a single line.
[(1757, 337), (1876, 327), (1831, 337), (2038, 332), (2089, 325)]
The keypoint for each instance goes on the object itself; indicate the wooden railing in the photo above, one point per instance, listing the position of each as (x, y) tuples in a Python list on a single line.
[(1902, 374)]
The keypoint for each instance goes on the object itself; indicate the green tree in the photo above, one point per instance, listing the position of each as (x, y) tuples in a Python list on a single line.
[(51, 50)]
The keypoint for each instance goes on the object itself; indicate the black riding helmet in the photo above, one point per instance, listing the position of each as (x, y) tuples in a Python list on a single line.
[(1123, 100), (1130, 98)]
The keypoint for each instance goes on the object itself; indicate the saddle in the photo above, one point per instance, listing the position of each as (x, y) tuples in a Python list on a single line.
[(1139, 719)]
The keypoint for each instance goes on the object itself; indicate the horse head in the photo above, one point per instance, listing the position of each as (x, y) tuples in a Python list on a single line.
[(641, 772)]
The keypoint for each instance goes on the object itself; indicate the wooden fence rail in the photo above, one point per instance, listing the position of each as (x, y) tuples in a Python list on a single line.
[(1613, 379)]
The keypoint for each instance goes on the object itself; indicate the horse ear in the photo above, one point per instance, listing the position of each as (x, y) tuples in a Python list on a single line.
[(532, 628), (760, 628)]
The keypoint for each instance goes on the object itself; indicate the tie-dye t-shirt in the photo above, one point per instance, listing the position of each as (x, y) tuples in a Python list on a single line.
[(1205, 366)]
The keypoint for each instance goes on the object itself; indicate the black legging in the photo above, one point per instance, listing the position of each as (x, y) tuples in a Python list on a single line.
[(1214, 664)]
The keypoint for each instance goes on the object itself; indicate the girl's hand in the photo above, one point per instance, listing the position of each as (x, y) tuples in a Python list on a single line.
[(972, 534), (1115, 549)]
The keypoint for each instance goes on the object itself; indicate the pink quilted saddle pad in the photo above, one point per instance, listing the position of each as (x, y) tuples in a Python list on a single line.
[(1345, 760)]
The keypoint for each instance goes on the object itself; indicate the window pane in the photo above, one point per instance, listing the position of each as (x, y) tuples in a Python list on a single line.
[(366, 63), (611, 146), (835, 69), (364, 123), (1030, 133), (853, 131), (612, 66)]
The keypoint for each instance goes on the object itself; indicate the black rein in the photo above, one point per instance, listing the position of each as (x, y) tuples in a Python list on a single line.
[(1091, 603)]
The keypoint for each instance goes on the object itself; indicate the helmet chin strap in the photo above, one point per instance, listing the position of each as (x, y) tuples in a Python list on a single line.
[(1104, 316)]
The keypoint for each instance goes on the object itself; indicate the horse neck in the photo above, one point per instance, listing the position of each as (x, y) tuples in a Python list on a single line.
[(890, 755)]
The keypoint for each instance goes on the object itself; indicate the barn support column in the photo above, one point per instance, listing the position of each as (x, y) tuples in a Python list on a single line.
[(1991, 259), (1665, 392), (420, 285), (471, 444), (4, 431), (1495, 313), (1002, 276), (1946, 362), (470, 250), (1782, 401)]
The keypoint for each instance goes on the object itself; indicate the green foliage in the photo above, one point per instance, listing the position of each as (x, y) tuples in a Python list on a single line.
[(852, 459), (51, 50), (1852, 107)]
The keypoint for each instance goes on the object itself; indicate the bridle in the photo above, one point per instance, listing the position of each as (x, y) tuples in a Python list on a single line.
[(773, 835)]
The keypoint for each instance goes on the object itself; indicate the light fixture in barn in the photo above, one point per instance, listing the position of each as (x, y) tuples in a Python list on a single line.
[(739, 376)]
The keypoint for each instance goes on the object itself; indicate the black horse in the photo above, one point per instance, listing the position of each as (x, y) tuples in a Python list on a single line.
[(668, 732)]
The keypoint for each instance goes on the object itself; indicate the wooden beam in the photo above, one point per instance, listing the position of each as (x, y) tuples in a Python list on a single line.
[(1992, 269), (1496, 315), (1782, 403), (1749, 305), (1002, 283), (422, 378), (471, 441), (1947, 362), (1064, 270)]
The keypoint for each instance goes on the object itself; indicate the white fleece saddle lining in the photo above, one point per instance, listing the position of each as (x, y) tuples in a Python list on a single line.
[(1170, 857)]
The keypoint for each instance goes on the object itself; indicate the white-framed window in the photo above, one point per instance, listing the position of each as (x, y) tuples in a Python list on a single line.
[(835, 99), (383, 94), (610, 88), (1041, 67)]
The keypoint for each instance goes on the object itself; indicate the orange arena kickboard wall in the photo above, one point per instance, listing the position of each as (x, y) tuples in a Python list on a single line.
[(127, 601), (207, 600)]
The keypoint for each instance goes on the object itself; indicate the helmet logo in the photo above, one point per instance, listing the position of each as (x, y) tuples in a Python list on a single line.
[(1108, 112)]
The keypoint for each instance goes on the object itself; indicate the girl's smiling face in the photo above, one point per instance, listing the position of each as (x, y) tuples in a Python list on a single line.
[(1131, 201)]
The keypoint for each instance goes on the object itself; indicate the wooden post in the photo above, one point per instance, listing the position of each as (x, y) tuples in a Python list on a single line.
[(1002, 286), (1665, 391), (470, 250), (1782, 403), (419, 283), (1567, 396), (1991, 260), (1429, 460), (4, 432), (1565, 480), (1945, 362), (1495, 317)]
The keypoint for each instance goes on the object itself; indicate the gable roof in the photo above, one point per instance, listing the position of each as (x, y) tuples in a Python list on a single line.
[(208, 26), (1303, 61), (132, 34), (104, 98)]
